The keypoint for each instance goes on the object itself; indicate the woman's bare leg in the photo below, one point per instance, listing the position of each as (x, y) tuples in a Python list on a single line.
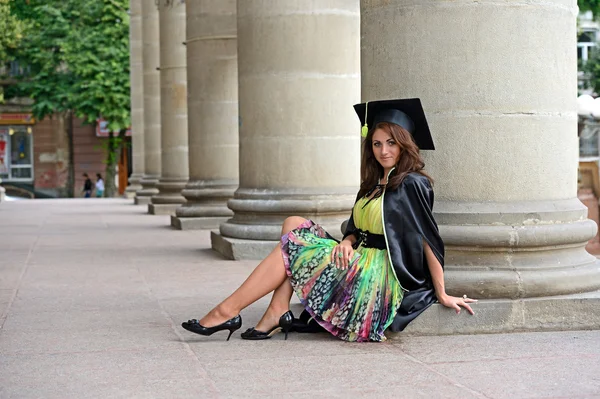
[(280, 303), (266, 277)]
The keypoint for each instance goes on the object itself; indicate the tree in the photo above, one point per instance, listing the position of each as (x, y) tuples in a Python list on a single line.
[(12, 32), (78, 55), (49, 81), (591, 71), (100, 60), (589, 5), (11, 28)]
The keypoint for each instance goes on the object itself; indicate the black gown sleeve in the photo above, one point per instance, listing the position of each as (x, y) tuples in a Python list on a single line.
[(351, 227), (409, 222)]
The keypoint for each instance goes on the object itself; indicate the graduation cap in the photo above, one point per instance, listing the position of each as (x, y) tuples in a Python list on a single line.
[(407, 113)]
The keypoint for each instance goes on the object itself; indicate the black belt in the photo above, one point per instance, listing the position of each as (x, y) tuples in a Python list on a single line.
[(369, 240)]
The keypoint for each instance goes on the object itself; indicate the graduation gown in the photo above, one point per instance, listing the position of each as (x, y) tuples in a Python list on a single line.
[(408, 221)]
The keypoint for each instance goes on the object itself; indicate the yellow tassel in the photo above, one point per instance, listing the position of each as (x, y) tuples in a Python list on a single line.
[(364, 131)]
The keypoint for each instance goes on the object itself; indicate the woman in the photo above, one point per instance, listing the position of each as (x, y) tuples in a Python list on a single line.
[(388, 267), (99, 186)]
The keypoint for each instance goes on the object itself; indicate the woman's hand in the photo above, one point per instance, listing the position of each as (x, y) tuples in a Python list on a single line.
[(342, 254), (456, 302)]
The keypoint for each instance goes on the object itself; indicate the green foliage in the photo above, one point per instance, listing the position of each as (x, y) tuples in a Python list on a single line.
[(99, 58), (11, 28), (589, 5), (49, 81), (591, 70), (78, 55)]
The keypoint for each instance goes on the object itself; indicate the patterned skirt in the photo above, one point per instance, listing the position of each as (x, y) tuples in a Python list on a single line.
[(356, 304)]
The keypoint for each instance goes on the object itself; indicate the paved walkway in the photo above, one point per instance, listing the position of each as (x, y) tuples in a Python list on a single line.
[(92, 293)]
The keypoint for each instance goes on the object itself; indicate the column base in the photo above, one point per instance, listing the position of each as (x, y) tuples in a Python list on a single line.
[(134, 185), (201, 223), (132, 189), (240, 249), (141, 200), (206, 206), (149, 189), (494, 316), (518, 249), (162, 209), (169, 191), (258, 213)]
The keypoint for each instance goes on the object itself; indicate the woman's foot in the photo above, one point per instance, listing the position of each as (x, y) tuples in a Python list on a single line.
[(217, 316), (270, 319), (232, 325), (284, 324)]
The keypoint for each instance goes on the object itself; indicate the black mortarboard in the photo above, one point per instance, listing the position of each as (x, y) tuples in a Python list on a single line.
[(407, 113)]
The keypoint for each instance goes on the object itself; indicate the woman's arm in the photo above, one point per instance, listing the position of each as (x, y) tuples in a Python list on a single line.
[(351, 239), (437, 276), (346, 249)]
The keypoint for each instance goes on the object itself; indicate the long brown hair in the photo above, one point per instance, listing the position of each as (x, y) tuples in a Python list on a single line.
[(410, 159)]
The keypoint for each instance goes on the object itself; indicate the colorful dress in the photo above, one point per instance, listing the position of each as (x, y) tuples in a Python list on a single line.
[(356, 304)]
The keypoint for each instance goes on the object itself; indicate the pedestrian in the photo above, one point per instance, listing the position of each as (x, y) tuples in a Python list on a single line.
[(387, 269), (99, 186), (87, 186)]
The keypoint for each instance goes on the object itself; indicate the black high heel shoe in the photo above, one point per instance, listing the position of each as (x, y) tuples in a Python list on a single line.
[(232, 325), (285, 324)]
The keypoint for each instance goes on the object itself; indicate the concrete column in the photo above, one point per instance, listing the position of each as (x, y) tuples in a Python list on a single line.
[(137, 97), (299, 137), (173, 109), (503, 116), (213, 114), (151, 79)]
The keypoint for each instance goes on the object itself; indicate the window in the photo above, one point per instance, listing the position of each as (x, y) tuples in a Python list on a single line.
[(20, 145), (16, 153), (585, 44), (4, 153)]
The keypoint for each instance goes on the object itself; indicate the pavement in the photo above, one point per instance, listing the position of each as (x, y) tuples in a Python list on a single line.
[(93, 292)]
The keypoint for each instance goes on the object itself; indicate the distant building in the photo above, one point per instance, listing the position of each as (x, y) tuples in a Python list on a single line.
[(35, 156)]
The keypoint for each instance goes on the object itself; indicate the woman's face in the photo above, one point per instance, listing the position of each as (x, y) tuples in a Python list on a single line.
[(385, 149)]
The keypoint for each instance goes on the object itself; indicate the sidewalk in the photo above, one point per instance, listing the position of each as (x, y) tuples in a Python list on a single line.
[(92, 294)]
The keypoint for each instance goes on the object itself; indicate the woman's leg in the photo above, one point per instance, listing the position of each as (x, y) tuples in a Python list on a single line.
[(280, 303), (266, 277)]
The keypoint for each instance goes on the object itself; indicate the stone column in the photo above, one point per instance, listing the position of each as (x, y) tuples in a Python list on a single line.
[(137, 97), (213, 114), (151, 79), (299, 137), (503, 116), (173, 109)]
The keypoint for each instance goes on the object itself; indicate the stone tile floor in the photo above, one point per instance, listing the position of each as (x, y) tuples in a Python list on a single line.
[(92, 293)]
